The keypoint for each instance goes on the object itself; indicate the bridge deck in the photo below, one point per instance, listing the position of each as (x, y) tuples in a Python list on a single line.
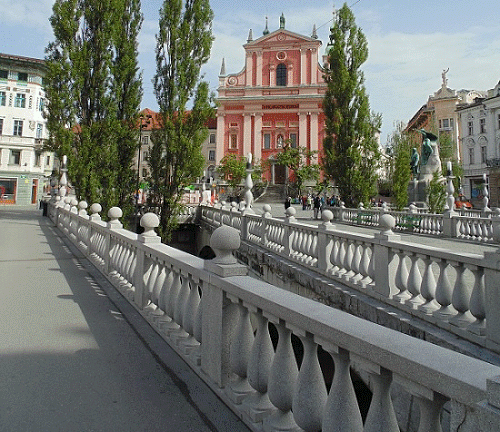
[(74, 356)]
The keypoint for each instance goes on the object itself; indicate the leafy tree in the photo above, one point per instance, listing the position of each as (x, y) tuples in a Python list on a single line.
[(400, 148), (183, 45), (94, 93), (436, 194), (232, 169), (446, 154), (351, 150), (299, 160)]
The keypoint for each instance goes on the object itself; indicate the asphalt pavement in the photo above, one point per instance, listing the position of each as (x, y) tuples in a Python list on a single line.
[(75, 356)]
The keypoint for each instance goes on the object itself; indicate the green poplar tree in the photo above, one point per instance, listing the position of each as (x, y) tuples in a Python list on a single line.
[(400, 176), (92, 98), (351, 152), (183, 45)]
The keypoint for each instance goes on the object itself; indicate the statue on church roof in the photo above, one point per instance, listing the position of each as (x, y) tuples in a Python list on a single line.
[(443, 76), (266, 30), (282, 21)]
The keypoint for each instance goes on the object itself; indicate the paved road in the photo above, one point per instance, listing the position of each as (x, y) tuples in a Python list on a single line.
[(75, 357)]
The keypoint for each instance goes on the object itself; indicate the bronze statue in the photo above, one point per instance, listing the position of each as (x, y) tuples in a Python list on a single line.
[(426, 145), (415, 158)]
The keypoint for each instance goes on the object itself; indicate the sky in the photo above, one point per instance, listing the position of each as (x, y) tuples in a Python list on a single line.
[(410, 43)]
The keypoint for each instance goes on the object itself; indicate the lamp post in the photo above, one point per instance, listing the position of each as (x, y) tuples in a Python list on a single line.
[(144, 121)]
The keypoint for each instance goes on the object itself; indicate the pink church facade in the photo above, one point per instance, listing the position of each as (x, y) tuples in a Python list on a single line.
[(276, 99)]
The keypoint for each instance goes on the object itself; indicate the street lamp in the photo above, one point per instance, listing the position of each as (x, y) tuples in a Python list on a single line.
[(144, 121)]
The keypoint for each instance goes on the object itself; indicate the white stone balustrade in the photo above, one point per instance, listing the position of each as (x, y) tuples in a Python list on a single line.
[(446, 289), (217, 319)]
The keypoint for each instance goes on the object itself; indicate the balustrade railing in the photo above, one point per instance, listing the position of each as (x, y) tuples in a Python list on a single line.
[(241, 334), (444, 288)]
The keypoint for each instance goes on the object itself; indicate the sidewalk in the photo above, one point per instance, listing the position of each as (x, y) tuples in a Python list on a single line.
[(75, 356)]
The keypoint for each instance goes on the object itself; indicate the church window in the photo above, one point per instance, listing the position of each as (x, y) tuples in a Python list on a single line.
[(233, 141), (267, 141), (281, 75), (293, 140), (471, 156)]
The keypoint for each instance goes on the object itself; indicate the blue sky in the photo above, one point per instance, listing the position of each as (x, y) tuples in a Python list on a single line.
[(410, 43)]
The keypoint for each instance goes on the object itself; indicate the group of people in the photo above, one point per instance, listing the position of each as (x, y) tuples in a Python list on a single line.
[(315, 202)]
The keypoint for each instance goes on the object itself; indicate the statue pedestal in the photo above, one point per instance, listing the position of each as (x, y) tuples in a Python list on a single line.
[(417, 192)]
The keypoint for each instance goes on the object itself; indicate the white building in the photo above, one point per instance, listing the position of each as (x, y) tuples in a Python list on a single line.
[(480, 146), (24, 167)]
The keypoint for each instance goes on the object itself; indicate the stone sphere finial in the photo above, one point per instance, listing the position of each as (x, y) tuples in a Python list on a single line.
[(115, 213), (96, 208), (327, 216), (224, 241), (387, 223), (82, 205), (149, 222), (290, 212)]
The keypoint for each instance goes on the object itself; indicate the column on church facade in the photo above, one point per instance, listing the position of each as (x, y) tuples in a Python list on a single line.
[(248, 69), (259, 68), (272, 80), (302, 129), (258, 137), (220, 141), (303, 66), (314, 62), (314, 131), (290, 74), (247, 134)]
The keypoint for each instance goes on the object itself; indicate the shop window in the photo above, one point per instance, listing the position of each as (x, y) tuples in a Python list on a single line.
[(281, 75), (7, 191)]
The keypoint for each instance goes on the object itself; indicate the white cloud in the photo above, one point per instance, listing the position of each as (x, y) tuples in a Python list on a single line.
[(28, 13)]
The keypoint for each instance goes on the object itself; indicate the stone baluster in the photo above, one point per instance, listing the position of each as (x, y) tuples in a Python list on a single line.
[(189, 316), (94, 236), (335, 256), (414, 283), (430, 413), (112, 247), (342, 412), (444, 292), (167, 324), (282, 377), (356, 259), (365, 264), (477, 302), (257, 405), (402, 278), (288, 232), (156, 311), (381, 416), (180, 304), (461, 299), (164, 295), (428, 288), (310, 391), (241, 347), (325, 241), (149, 282)]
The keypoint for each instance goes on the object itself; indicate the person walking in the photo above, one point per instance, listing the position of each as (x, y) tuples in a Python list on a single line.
[(316, 206), (288, 202)]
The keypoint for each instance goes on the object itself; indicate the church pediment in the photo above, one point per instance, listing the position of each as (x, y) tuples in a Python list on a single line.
[(279, 37)]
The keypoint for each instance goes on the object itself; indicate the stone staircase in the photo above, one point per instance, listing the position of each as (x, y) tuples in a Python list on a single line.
[(272, 194)]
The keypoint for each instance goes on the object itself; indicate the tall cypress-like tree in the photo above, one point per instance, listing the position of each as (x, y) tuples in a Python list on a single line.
[(94, 94), (183, 45), (351, 151), (400, 148)]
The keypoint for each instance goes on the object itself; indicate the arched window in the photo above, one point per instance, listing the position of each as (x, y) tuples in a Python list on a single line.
[(281, 75)]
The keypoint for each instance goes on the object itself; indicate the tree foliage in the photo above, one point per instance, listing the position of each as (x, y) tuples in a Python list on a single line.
[(300, 161), (351, 150), (400, 146), (183, 45), (436, 194), (94, 91), (232, 169)]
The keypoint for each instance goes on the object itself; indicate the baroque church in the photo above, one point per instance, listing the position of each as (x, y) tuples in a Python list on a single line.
[(275, 100)]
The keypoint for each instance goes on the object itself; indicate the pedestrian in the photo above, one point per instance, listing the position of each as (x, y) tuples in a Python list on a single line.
[(317, 206), (309, 202), (288, 202)]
